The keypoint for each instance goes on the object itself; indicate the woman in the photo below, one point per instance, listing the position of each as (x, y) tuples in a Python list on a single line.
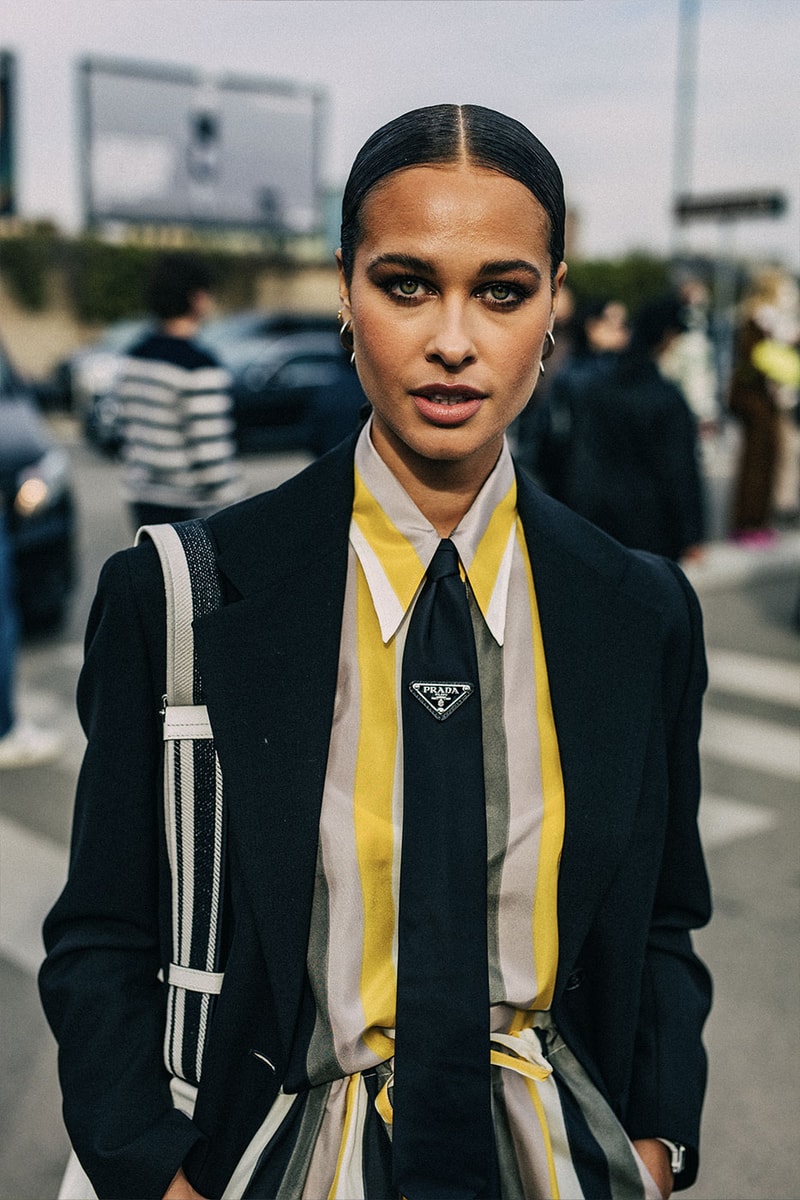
[(763, 397), (587, 999), (630, 462)]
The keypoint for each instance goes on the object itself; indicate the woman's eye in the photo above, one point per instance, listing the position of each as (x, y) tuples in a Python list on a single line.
[(405, 289), (504, 295)]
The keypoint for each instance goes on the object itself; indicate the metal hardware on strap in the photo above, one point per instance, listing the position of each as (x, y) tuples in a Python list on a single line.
[(193, 800)]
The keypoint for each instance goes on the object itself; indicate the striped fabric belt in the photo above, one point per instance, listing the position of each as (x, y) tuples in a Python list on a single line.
[(520, 1052)]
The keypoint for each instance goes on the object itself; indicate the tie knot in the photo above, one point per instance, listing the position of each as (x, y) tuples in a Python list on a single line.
[(444, 561)]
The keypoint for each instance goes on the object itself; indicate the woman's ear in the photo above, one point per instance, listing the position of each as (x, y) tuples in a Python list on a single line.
[(558, 283), (344, 290)]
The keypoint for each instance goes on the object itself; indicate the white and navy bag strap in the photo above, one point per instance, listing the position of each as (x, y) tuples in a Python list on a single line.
[(193, 802)]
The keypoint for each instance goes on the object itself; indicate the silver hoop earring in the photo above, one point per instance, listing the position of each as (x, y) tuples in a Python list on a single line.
[(541, 367), (549, 344), (346, 338)]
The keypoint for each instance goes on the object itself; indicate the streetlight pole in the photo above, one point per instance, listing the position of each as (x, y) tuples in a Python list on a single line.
[(685, 95)]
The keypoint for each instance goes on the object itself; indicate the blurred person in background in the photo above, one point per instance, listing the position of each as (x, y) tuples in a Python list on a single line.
[(179, 447), (22, 744), (629, 462), (525, 431), (688, 360), (597, 331), (763, 397)]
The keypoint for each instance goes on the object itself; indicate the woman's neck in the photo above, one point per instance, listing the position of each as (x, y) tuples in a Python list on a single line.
[(442, 489)]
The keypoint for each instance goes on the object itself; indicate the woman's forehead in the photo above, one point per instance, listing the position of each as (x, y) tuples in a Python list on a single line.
[(459, 203)]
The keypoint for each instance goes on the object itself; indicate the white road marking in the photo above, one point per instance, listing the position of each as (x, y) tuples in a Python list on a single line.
[(752, 675), (760, 745), (70, 654), (51, 711), (724, 820), (32, 872)]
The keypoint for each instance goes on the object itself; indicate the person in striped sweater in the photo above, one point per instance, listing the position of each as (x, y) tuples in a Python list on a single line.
[(179, 447)]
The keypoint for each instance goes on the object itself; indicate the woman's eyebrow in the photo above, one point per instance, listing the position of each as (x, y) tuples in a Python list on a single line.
[(502, 265), (407, 261)]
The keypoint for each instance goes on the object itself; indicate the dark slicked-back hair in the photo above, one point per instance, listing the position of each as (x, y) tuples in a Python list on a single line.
[(450, 133)]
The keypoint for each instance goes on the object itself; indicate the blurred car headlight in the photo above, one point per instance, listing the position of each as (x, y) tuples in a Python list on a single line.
[(42, 483), (98, 374)]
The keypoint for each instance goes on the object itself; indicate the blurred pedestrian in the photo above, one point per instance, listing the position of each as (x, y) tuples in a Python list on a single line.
[(457, 727), (597, 332), (177, 421), (689, 358), (631, 464), (763, 397), (22, 744), (524, 434)]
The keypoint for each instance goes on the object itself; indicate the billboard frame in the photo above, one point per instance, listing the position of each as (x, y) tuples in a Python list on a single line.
[(230, 82), (8, 133)]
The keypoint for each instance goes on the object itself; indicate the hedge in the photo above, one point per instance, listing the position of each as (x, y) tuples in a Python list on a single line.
[(632, 279), (104, 281)]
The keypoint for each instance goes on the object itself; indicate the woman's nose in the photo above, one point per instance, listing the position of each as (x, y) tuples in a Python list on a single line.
[(451, 342)]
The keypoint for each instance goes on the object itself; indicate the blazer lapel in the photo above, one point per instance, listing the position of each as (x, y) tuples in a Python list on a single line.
[(602, 671), (269, 665)]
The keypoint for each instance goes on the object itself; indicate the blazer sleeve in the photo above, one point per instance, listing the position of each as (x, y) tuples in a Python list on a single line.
[(669, 1069), (100, 983)]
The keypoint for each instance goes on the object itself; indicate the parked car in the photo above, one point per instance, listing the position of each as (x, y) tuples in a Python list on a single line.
[(293, 392), (89, 371), (292, 385), (259, 325), (36, 495)]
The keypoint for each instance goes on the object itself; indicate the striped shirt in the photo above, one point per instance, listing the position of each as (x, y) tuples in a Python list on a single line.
[(328, 1133), (354, 917), (177, 426)]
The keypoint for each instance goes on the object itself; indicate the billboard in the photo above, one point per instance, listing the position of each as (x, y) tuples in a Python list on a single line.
[(8, 97), (171, 145)]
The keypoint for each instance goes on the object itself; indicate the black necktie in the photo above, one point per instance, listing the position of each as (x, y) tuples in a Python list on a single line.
[(442, 1141)]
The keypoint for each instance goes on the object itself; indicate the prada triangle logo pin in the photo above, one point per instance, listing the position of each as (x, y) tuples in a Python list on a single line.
[(440, 699)]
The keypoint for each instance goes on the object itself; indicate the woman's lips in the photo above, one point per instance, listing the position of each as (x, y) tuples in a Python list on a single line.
[(447, 404)]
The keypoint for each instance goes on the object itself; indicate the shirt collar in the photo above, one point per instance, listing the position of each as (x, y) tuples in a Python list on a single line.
[(395, 543)]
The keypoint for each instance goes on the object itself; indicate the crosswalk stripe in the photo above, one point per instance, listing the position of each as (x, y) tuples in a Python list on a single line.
[(750, 742), (722, 819), (32, 872), (755, 676)]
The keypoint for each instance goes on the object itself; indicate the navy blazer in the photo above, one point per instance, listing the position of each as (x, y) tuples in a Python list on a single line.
[(623, 645)]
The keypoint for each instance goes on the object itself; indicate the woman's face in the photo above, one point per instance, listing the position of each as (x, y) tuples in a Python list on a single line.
[(450, 300)]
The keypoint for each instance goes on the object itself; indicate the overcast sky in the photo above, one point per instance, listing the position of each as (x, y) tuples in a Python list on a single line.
[(595, 79)]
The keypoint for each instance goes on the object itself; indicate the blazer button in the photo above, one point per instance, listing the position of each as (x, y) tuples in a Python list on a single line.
[(575, 980)]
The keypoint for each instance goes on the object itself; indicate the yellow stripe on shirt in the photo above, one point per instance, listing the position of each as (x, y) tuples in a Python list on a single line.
[(373, 818), (401, 564), (545, 907)]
